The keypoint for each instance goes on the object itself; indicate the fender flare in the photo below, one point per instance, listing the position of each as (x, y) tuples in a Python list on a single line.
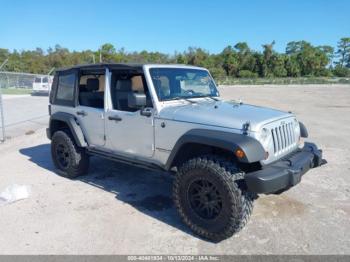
[(252, 148), (73, 125), (303, 130)]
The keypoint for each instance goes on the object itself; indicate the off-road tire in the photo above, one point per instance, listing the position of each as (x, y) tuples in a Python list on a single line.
[(237, 203), (76, 161)]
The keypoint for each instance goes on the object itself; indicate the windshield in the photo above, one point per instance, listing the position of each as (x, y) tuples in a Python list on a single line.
[(182, 83)]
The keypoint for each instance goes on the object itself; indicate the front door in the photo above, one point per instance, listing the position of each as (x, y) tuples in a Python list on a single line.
[(127, 131)]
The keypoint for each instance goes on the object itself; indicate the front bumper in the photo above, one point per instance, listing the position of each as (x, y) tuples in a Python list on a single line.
[(285, 173)]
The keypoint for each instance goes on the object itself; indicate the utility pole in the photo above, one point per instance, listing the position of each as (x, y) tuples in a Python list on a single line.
[(2, 107)]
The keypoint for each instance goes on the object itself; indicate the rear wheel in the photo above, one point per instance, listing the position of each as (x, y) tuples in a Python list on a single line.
[(209, 199), (69, 159)]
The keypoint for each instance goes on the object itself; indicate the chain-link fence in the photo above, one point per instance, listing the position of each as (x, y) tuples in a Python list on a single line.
[(23, 103), (2, 120), (15, 80)]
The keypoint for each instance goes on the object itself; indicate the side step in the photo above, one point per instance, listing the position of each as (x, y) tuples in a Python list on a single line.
[(124, 160)]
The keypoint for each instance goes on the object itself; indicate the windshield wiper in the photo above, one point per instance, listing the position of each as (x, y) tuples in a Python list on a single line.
[(183, 98), (188, 100), (215, 99)]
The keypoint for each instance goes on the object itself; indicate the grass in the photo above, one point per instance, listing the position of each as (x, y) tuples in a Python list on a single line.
[(15, 91), (283, 81)]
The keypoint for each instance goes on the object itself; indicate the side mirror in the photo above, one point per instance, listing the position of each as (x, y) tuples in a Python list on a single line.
[(136, 100)]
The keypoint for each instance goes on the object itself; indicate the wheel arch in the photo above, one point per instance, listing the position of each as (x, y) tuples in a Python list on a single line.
[(61, 120), (303, 130), (204, 141)]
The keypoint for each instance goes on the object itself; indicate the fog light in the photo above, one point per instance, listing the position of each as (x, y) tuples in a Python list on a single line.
[(239, 153)]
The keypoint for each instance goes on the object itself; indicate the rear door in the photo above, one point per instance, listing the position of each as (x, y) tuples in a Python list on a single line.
[(90, 110)]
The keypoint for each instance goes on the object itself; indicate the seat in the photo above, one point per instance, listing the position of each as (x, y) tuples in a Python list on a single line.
[(123, 89), (90, 96)]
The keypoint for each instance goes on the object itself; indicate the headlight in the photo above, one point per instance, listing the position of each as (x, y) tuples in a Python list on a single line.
[(265, 140), (299, 141)]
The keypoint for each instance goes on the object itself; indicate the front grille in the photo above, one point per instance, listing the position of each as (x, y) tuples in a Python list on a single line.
[(283, 138)]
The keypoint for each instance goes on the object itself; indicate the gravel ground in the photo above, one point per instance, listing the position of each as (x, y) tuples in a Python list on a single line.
[(118, 209)]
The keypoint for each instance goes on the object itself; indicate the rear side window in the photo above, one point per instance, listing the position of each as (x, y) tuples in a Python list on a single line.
[(45, 80), (65, 89), (37, 80)]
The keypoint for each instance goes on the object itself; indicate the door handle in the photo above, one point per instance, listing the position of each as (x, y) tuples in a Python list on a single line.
[(146, 112), (115, 118), (81, 113)]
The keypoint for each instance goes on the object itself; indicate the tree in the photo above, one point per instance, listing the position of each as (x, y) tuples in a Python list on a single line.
[(180, 59), (295, 47), (328, 51), (197, 56), (300, 59), (312, 61), (4, 54), (343, 52), (267, 63), (279, 65), (271, 63), (107, 52), (246, 60), (230, 61), (292, 66), (341, 71), (217, 72)]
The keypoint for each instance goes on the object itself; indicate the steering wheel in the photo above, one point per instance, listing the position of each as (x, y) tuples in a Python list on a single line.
[(189, 91)]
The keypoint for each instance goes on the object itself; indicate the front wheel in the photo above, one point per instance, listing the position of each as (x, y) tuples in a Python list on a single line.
[(70, 160), (209, 199)]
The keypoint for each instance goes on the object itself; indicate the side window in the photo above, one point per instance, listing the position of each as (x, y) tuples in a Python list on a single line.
[(65, 89), (123, 85), (91, 90), (53, 89)]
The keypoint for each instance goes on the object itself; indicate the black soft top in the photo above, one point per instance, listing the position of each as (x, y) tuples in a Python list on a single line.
[(111, 66)]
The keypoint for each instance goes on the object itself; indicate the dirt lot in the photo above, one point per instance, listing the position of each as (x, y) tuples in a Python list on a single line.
[(125, 210)]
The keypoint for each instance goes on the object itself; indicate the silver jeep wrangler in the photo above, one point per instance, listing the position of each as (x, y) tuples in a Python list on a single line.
[(170, 118)]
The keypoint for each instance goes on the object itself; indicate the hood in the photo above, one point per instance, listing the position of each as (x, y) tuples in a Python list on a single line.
[(222, 114)]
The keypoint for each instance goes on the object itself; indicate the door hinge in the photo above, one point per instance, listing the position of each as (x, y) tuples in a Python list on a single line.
[(104, 137)]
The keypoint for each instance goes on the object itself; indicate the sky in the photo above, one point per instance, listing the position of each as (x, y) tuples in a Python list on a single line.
[(169, 26)]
